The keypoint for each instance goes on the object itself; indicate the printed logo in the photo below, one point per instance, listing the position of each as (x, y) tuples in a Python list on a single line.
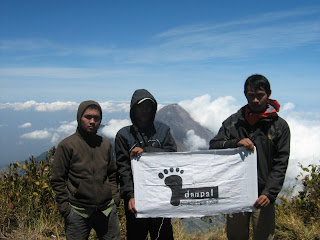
[(173, 180)]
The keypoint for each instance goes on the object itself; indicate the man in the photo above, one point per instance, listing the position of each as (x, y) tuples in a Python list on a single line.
[(258, 125), (144, 135), (84, 179)]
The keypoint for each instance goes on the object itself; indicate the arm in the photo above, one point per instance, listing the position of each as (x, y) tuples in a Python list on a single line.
[(280, 163), (112, 176), (124, 167), (224, 139), (59, 177)]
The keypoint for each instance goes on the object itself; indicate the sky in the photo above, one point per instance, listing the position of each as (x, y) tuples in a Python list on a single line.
[(56, 54)]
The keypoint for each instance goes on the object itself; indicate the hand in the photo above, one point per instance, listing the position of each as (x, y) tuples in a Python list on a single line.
[(131, 206), (247, 143), (262, 202), (136, 152)]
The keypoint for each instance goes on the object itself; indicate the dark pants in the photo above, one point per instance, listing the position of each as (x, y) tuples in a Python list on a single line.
[(138, 228), (107, 228)]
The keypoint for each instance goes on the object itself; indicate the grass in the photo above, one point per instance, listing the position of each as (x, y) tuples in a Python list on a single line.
[(29, 211)]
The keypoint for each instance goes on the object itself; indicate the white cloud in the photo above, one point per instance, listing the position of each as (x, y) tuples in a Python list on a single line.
[(25, 125), (114, 125), (115, 107), (210, 113), (38, 134), (40, 107), (288, 106), (194, 142), (62, 106), (67, 128)]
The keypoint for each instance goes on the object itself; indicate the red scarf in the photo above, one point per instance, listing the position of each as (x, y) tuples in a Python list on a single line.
[(272, 108)]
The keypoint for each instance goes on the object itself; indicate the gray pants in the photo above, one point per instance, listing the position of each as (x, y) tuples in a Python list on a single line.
[(107, 228), (263, 222)]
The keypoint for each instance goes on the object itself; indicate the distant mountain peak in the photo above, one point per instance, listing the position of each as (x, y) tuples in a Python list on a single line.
[(180, 122)]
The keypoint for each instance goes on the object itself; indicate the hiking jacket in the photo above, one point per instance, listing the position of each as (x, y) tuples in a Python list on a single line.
[(155, 138), (84, 170), (271, 137)]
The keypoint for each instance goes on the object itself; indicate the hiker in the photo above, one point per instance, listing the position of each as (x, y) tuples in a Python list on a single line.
[(84, 179), (257, 125), (144, 135)]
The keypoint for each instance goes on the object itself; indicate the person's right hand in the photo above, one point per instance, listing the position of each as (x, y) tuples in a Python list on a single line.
[(247, 143), (131, 206)]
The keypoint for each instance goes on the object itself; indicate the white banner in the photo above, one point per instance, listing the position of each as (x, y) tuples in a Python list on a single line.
[(195, 184)]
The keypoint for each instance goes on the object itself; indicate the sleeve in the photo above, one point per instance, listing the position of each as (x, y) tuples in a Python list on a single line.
[(124, 167), (224, 139), (280, 163), (112, 176), (59, 175)]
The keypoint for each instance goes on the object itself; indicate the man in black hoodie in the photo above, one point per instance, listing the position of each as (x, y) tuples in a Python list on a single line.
[(257, 125), (144, 135), (84, 179)]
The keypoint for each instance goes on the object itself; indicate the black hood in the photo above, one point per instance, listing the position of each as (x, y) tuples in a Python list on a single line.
[(139, 95)]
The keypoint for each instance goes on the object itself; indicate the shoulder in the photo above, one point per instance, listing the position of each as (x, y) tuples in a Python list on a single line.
[(235, 117), (124, 132), (281, 124), (161, 126), (69, 140)]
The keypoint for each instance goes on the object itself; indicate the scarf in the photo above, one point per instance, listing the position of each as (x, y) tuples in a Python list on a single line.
[(272, 108)]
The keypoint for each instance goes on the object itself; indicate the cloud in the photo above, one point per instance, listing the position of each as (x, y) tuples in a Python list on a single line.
[(114, 125), (288, 106), (115, 107), (40, 107), (194, 142), (26, 125), (38, 134), (62, 106), (210, 113), (67, 128)]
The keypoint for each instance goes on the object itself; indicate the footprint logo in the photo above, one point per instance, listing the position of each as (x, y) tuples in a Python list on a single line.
[(174, 182)]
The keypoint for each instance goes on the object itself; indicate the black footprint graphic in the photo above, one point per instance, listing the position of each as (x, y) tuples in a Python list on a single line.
[(174, 182)]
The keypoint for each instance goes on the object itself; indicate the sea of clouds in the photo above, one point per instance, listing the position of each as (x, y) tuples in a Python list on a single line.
[(210, 113)]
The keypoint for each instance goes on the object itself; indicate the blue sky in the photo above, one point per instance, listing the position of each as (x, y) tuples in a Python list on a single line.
[(75, 50), (55, 54)]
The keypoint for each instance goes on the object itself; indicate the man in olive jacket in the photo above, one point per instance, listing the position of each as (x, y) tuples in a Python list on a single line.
[(84, 179), (257, 125)]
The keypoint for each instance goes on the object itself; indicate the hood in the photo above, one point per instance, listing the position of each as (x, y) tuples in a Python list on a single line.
[(83, 106), (139, 95)]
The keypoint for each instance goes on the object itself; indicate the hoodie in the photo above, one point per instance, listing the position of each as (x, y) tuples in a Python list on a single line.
[(156, 137), (84, 169)]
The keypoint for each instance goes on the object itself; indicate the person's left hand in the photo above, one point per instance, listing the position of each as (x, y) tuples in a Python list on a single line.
[(262, 202), (136, 152)]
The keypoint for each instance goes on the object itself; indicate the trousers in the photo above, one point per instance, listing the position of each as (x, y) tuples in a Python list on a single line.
[(106, 227), (138, 228), (263, 223)]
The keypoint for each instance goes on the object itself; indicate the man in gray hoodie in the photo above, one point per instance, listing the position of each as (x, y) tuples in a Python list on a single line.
[(84, 179)]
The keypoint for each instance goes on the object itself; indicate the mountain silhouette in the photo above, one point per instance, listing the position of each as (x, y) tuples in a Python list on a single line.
[(180, 122)]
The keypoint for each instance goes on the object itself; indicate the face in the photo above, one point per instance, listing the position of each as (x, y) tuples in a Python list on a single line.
[(143, 112), (257, 99), (90, 120)]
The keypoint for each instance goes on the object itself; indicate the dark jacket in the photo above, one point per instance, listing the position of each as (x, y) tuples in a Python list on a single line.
[(155, 138), (271, 137), (84, 170)]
